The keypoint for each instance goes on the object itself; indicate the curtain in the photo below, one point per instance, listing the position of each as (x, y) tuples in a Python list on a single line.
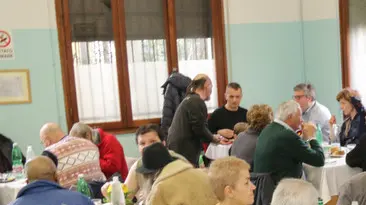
[(357, 12)]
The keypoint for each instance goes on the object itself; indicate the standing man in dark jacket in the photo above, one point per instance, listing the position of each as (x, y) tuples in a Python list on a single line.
[(174, 92), (189, 127)]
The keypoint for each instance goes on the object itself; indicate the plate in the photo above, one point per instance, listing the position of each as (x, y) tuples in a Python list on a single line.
[(336, 156), (7, 180)]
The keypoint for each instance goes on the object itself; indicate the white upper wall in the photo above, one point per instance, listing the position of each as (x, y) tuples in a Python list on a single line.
[(272, 11), (28, 14)]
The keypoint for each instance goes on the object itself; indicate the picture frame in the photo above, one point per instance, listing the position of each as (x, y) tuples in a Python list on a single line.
[(15, 86)]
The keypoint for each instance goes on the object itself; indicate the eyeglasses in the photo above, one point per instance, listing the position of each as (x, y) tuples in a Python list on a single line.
[(297, 97)]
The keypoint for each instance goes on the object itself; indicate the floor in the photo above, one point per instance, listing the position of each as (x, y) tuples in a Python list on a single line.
[(333, 201)]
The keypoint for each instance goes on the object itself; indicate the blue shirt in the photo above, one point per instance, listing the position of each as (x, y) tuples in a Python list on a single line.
[(44, 192), (319, 115)]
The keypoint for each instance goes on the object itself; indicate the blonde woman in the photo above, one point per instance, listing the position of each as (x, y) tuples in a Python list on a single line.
[(258, 116), (230, 180)]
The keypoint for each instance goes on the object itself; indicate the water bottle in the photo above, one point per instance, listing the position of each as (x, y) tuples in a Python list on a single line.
[(82, 186), (30, 153), (320, 201), (17, 157), (319, 134), (117, 196)]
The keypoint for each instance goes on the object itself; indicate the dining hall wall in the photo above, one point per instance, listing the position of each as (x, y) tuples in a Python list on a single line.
[(273, 45), (270, 47)]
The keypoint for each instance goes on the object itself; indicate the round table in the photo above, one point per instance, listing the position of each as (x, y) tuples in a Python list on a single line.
[(328, 179), (216, 151), (9, 191)]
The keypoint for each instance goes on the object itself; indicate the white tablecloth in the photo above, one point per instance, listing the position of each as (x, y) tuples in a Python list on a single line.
[(328, 179), (9, 191), (216, 151)]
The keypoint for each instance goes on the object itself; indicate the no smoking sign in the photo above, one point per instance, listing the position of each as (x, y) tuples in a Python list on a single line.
[(5, 39), (6, 47)]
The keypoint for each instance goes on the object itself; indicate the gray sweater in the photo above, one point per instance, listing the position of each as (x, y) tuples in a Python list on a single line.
[(353, 190), (244, 146)]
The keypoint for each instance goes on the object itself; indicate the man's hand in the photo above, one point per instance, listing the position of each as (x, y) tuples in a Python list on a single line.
[(308, 130), (332, 120), (216, 138), (227, 133)]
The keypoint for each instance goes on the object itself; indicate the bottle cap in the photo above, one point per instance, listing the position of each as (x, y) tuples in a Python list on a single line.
[(81, 176), (29, 147), (15, 144), (115, 179)]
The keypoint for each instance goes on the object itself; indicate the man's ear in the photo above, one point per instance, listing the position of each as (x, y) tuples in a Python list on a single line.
[(164, 143)]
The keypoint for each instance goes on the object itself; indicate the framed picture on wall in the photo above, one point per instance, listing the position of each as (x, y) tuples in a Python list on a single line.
[(15, 86)]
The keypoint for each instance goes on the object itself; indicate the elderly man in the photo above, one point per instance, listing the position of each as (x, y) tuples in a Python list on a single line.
[(112, 158), (42, 188), (75, 156), (312, 110), (189, 126), (231, 112), (280, 151), (295, 192)]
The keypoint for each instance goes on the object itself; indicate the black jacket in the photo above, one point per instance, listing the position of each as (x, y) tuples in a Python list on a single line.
[(189, 128), (6, 147), (174, 92), (357, 157)]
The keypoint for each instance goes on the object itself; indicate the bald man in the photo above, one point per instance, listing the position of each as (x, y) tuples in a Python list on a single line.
[(189, 126), (111, 155), (75, 156), (42, 188)]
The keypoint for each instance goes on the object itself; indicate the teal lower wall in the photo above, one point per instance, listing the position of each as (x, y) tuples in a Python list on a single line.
[(269, 59), (323, 60), (266, 59)]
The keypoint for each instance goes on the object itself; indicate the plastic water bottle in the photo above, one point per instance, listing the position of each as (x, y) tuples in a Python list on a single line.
[(117, 196), (82, 186), (320, 201), (30, 153), (17, 157), (319, 134)]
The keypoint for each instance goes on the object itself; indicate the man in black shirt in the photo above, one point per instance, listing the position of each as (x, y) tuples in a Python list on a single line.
[(223, 119)]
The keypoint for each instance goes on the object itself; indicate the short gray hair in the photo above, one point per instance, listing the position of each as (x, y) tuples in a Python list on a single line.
[(286, 109), (295, 192), (309, 90), (80, 130)]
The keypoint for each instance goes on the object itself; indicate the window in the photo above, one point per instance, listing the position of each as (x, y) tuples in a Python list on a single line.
[(353, 40), (116, 54)]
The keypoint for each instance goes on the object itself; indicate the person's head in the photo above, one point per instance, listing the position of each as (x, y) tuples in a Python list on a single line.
[(230, 180), (304, 94), (81, 130), (154, 158), (344, 99), (259, 116), (233, 95), (147, 135), (294, 192), (201, 85), (240, 127), (50, 134), (40, 168), (290, 113)]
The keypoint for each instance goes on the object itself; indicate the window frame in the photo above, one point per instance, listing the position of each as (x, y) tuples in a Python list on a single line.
[(344, 41), (127, 124)]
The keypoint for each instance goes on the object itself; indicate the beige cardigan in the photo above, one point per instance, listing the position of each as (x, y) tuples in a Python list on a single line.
[(181, 184)]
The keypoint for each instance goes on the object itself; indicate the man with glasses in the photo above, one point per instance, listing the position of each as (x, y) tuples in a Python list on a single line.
[(312, 110)]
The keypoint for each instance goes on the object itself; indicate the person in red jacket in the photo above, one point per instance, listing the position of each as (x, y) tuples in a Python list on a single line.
[(112, 158)]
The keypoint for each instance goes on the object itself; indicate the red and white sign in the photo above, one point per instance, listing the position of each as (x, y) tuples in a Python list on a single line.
[(6, 45)]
